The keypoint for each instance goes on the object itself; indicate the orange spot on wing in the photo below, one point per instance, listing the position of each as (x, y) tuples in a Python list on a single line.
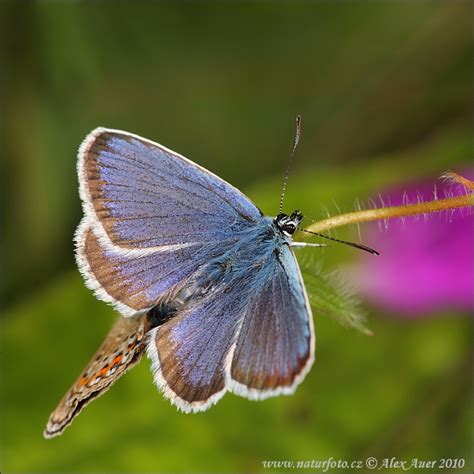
[(102, 371)]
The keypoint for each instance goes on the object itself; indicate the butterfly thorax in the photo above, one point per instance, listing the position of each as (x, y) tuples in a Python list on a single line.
[(231, 264)]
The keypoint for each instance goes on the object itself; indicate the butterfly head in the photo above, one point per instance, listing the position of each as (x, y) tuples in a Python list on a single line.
[(288, 224)]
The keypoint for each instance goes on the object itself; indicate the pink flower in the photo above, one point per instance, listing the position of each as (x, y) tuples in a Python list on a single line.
[(426, 263)]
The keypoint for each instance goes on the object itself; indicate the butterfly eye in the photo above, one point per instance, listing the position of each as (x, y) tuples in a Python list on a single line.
[(289, 229)]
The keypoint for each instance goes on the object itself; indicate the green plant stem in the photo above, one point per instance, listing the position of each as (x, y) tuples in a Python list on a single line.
[(368, 215)]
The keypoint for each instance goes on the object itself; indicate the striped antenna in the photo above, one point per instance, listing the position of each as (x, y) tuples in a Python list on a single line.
[(290, 161)]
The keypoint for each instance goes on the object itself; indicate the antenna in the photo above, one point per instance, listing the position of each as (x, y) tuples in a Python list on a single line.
[(290, 160), (351, 244)]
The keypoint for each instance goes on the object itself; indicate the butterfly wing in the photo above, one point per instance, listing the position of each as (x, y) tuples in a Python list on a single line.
[(274, 349), (134, 283), (140, 195), (252, 335), (188, 352), (122, 349), (152, 218)]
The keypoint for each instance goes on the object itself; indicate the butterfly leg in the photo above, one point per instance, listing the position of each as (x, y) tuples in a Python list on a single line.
[(306, 244)]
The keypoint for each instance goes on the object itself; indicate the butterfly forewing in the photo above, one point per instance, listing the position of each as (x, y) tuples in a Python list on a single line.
[(152, 218), (136, 283), (144, 195), (275, 345)]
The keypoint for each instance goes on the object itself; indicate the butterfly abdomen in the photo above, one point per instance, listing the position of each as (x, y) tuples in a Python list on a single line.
[(160, 314)]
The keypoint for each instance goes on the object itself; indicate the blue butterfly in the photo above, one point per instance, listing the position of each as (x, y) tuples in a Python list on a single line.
[(201, 277)]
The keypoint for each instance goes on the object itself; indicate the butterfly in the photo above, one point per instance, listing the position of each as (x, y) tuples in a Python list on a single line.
[(205, 284)]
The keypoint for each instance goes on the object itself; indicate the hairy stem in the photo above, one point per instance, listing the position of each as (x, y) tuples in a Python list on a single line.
[(466, 200)]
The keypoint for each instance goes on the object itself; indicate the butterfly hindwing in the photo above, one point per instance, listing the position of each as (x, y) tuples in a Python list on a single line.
[(122, 349), (189, 352)]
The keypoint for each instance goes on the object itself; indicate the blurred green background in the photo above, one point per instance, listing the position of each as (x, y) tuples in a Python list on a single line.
[(385, 91)]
